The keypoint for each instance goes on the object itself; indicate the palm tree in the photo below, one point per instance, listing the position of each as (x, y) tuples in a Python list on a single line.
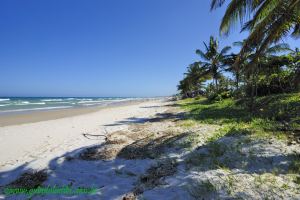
[(295, 64), (212, 58), (262, 65), (184, 87), (234, 69), (193, 80), (260, 62), (266, 20)]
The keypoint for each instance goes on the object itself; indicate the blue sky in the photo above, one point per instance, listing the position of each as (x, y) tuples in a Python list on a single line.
[(102, 47)]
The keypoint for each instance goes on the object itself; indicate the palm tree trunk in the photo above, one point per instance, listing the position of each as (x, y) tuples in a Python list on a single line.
[(252, 90), (237, 80)]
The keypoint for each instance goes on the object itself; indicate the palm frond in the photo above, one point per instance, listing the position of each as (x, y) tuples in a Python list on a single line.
[(238, 43), (225, 50), (237, 11), (296, 31), (216, 4), (278, 48), (202, 54)]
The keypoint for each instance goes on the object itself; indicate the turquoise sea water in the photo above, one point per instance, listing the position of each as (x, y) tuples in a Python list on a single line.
[(25, 104)]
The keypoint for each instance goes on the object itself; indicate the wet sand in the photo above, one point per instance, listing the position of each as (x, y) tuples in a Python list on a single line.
[(38, 116)]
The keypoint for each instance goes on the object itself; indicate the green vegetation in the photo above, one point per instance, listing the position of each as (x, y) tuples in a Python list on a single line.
[(275, 115), (274, 73), (262, 67), (189, 141), (253, 95), (230, 184), (266, 21)]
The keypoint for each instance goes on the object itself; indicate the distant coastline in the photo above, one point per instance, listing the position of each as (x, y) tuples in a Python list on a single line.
[(21, 105), (37, 115)]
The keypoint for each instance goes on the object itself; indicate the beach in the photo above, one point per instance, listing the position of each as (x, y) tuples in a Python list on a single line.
[(150, 100), (152, 149), (38, 137), (31, 116)]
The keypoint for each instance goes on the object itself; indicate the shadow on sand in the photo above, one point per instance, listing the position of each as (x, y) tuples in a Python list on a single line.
[(114, 178)]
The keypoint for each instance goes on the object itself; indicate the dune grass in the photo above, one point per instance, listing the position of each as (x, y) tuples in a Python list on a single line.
[(276, 115)]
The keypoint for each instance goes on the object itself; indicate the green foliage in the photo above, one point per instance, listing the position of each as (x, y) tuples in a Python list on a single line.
[(224, 90), (192, 83), (258, 67), (266, 21), (271, 116), (270, 74), (212, 59), (221, 112)]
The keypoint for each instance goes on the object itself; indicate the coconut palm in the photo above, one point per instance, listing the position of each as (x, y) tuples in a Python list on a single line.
[(263, 65), (266, 20), (193, 80), (212, 58), (294, 58), (234, 69)]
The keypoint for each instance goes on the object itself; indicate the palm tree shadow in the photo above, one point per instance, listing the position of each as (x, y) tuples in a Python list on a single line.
[(118, 176), (240, 155), (215, 113), (111, 178), (159, 117)]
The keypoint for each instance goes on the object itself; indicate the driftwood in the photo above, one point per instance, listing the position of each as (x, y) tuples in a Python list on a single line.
[(90, 136)]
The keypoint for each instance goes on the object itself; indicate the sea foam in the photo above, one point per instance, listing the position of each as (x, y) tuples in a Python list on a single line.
[(33, 109), (51, 100)]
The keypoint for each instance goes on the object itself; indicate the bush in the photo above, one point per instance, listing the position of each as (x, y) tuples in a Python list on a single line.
[(219, 96)]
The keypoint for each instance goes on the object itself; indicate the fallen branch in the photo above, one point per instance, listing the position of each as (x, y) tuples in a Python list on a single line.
[(87, 135)]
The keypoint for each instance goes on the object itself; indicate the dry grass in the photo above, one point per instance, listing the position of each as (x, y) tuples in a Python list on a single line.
[(109, 150), (139, 135), (130, 196), (29, 180), (138, 127), (118, 137), (141, 149), (139, 142), (103, 152), (155, 174), (150, 147)]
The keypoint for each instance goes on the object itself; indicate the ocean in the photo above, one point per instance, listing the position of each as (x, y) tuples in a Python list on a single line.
[(27, 104)]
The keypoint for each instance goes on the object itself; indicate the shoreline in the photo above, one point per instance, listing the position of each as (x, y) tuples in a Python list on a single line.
[(57, 132), (19, 118), (150, 150)]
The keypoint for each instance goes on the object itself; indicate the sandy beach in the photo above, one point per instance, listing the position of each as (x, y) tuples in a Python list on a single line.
[(38, 116), (37, 138), (144, 150), (150, 100)]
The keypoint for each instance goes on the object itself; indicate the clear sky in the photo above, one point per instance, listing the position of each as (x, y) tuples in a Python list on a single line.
[(102, 47)]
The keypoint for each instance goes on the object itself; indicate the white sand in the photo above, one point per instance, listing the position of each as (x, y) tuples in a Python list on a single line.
[(247, 172), (35, 144)]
